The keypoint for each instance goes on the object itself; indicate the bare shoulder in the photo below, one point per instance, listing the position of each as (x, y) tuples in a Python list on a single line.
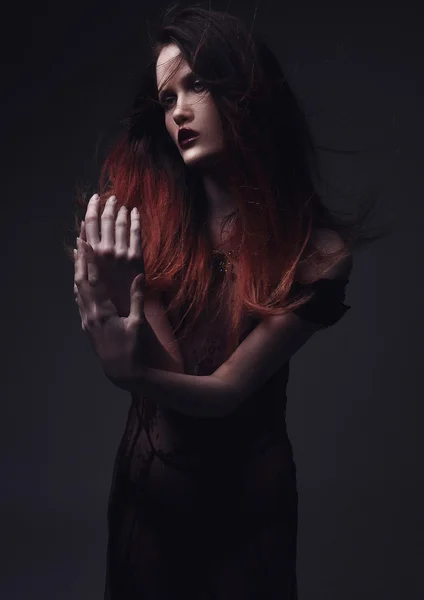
[(327, 242)]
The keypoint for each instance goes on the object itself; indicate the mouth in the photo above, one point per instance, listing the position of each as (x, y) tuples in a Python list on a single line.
[(187, 139)]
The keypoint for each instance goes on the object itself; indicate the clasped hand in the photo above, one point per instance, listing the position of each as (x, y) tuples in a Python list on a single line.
[(115, 339)]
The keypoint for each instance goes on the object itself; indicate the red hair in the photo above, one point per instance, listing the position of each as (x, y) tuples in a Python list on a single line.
[(271, 158)]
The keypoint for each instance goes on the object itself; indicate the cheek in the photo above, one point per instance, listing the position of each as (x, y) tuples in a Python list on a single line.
[(215, 122), (216, 128), (209, 120), (170, 127)]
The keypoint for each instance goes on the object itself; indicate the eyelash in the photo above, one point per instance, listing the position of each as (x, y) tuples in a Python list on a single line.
[(164, 101)]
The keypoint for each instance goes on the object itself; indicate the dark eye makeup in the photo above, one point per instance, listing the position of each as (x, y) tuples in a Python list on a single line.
[(195, 84)]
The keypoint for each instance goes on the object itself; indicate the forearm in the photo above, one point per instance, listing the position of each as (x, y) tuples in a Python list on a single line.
[(192, 395), (153, 354)]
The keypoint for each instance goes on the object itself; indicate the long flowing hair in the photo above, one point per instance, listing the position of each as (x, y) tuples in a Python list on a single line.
[(272, 161)]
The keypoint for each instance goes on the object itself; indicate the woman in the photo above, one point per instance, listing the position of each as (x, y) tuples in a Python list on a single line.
[(195, 303)]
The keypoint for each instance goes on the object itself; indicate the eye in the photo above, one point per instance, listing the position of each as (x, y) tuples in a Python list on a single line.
[(198, 84), (164, 102)]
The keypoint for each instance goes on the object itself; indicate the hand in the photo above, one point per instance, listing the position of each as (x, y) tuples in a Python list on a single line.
[(118, 262), (116, 340)]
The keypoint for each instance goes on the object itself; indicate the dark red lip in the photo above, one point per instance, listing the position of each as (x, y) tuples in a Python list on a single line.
[(185, 134), (188, 142)]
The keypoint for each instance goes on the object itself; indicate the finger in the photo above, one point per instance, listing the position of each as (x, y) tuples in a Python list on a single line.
[(92, 291), (92, 269), (79, 304), (92, 221), (80, 264), (108, 224), (136, 250), (121, 227), (83, 233), (137, 299)]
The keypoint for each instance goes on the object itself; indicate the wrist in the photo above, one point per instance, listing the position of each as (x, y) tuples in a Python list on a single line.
[(151, 352)]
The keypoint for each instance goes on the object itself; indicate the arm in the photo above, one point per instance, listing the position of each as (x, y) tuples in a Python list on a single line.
[(161, 349), (162, 375), (273, 342), (192, 395), (255, 360)]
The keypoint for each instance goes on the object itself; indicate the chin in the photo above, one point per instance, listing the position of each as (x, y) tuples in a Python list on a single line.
[(195, 157)]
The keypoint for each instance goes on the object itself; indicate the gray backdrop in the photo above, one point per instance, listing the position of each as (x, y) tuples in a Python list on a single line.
[(355, 394)]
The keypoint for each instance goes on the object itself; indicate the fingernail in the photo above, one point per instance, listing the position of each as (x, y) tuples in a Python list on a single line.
[(96, 197)]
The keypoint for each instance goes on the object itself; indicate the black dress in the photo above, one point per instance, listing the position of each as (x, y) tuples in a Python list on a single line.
[(206, 509)]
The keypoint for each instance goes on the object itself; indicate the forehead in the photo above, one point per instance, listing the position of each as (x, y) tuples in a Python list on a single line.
[(167, 62)]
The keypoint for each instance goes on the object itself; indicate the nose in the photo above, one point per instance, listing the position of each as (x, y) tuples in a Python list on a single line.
[(183, 112)]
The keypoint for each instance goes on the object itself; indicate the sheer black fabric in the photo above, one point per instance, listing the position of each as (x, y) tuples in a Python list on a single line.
[(327, 305), (206, 509)]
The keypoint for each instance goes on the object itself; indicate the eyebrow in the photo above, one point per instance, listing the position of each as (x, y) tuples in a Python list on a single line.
[(184, 79)]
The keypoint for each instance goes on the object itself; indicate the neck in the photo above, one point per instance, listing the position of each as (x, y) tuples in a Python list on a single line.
[(216, 186)]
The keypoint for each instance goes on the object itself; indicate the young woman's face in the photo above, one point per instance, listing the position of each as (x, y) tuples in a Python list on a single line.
[(187, 104)]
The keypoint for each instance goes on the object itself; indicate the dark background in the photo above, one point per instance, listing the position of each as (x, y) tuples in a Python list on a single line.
[(355, 393)]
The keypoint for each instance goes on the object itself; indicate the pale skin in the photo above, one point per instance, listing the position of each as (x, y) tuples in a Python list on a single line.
[(118, 261), (118, 343), (187, 104), (107, 266), (115, 339)]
